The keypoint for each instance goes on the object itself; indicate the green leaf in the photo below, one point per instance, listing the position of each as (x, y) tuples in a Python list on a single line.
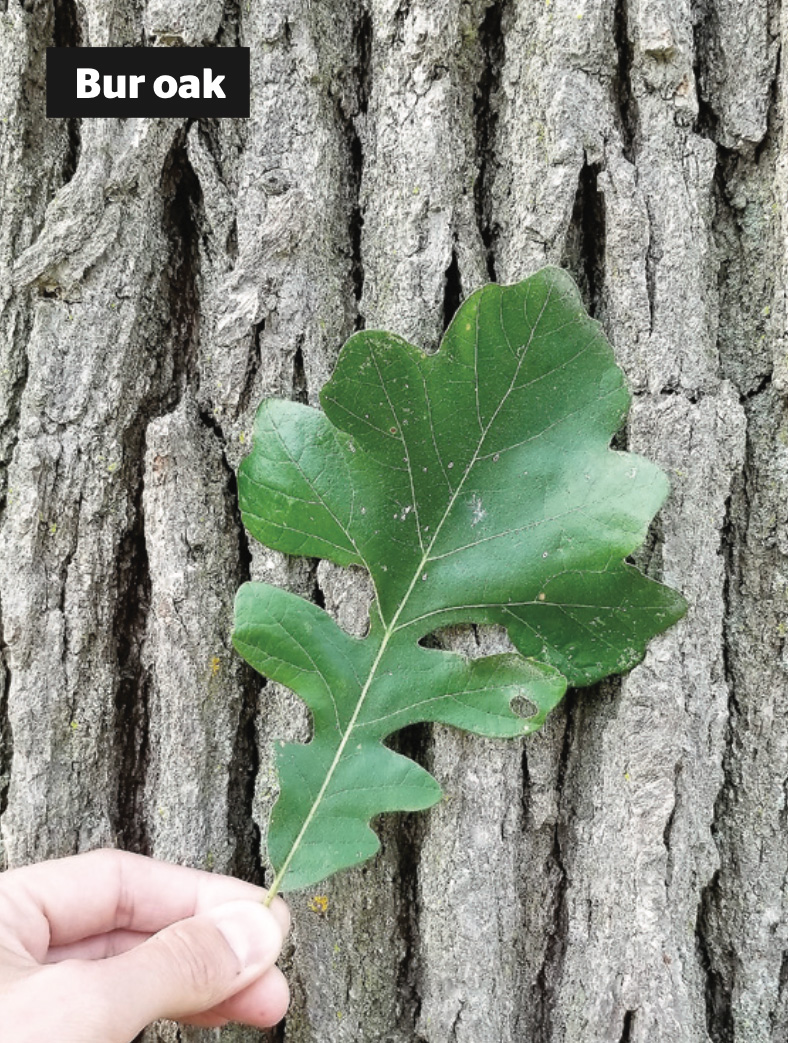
[(475, 485)]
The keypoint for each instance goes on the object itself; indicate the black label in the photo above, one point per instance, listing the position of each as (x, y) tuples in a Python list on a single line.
[(148, 81)]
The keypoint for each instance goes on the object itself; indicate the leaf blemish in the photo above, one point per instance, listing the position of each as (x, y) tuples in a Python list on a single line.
[(478, 510)]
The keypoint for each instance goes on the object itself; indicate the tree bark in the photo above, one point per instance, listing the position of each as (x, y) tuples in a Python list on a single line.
[(619, 877)]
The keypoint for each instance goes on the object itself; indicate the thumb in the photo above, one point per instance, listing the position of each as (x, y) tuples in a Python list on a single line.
[(188, 967)]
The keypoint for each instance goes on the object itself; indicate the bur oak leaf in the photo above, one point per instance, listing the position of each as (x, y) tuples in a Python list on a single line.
[(476, 485)]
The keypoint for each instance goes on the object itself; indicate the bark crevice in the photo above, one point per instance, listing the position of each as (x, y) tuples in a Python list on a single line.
[(246, 760), (626, 1029), (414, 742), (782, 994), (245, 763), (353, 129), (132, 694), (651, 270), (244, 767), (253, 363), (300, 387), (716, 959), (68, 33), (584, 249), (706, 124), (229, 34), (550, 973), (626, 102), (485, 111), (183, 219), (452, 290), (717, 991), (6, 737), (667, 831)]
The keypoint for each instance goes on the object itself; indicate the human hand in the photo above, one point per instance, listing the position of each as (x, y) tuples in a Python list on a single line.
[(95, 947)]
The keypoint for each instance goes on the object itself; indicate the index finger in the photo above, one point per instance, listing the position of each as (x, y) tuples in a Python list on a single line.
[(68, 899)]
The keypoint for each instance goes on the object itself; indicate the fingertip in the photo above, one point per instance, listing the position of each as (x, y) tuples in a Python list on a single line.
[(262, 1004), (253, 932), (281, 912), (278, 1000)]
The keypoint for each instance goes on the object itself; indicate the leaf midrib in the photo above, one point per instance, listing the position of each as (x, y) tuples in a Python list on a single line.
[(391, 628)]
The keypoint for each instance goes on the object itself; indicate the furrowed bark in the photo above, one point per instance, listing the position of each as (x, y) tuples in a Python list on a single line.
[(617, 877)]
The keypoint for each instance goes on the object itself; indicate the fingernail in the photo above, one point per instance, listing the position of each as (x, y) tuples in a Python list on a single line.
[(251, 932)]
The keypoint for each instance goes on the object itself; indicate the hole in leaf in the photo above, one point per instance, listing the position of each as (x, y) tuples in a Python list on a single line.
[(469, 639)]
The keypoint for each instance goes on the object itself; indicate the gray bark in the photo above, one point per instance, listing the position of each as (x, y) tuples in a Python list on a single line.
[(619, 877)]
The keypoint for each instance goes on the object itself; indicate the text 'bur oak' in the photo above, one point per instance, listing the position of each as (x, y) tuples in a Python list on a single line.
[(476, 485)]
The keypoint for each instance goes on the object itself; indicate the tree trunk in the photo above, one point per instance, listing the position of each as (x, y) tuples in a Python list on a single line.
[(620, 876)]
